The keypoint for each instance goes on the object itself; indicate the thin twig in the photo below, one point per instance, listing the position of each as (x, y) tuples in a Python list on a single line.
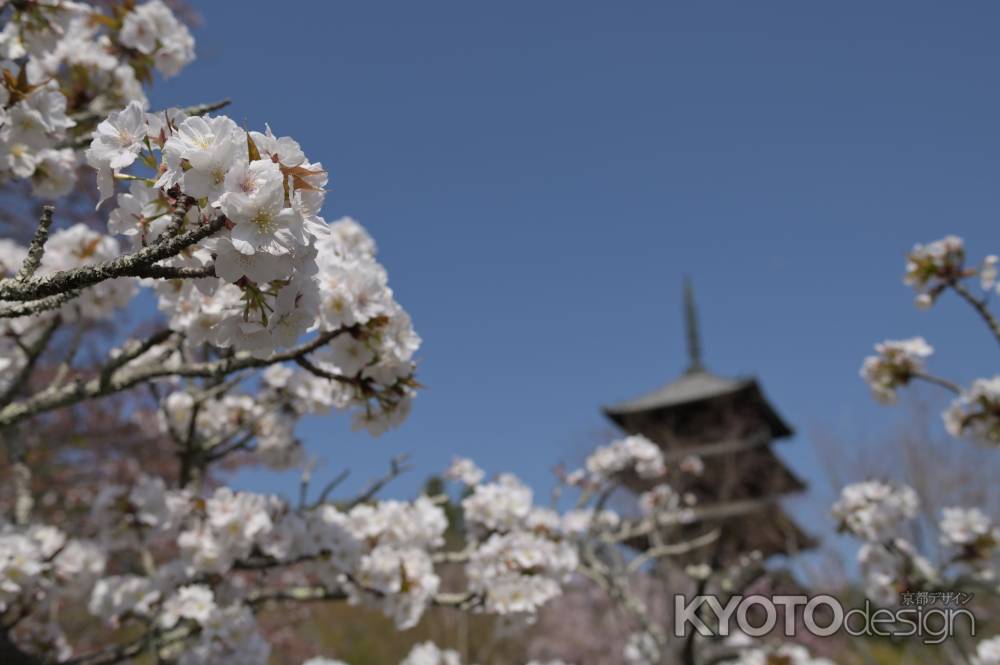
[(32, 353), (330, 486), (36, 250), (397, 466), (672, 549), (938, 381), (979, 306)]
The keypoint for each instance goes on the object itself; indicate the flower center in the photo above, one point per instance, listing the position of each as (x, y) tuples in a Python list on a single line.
[(264, 221)]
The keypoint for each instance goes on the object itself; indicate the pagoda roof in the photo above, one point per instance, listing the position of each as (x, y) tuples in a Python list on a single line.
[(691, 387), (697, 387)]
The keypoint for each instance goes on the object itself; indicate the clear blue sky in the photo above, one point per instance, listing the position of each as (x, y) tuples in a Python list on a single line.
[(540, 175)]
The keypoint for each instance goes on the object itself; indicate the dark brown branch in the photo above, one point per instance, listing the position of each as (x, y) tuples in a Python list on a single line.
[(11, 654), (202, 109), (32, 352), (397, 466), (330, 486), (242, 443), (174, 272), (130, 354), (305, 364)]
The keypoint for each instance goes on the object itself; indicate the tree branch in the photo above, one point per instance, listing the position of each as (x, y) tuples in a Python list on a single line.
[(329, 487), (38, 306), (397, 466), (57, 397), (673, 549), (174, 272), (36, 250), (938, 381), (979, 306), (130, 265), (31, 352)]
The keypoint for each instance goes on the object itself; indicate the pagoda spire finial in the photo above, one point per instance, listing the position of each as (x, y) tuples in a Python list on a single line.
[(691, 328)]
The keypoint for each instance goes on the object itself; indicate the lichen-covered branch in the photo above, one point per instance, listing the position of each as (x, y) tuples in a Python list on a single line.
[(130, 265), (37, 247)]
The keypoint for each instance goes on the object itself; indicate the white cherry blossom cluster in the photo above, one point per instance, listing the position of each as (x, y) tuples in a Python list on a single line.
[(152, 30), (641, 648), (126, 515), (930, 266), (36, 558), (987, 652), (428, 653), (503, 505), (232, 526), (465, 471), (968, 527), (233, 420), (894, 365), (59, 56), (115, 597), (395, 571), (227, 634), (975, 414), (892, 567), (36, 564), (523, 554), (874, 510), (274, 272), (666, 506), (633, 453), (33, 125), (379, 553), (519, 571), (202, 552), (975, 539), (580, 522)]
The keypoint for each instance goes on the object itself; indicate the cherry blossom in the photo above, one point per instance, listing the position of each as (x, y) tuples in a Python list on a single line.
[(896, 363)]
